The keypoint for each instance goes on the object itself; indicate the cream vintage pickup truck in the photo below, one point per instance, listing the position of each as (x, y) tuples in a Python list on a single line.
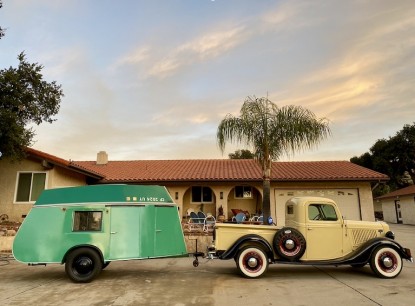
[(315, 234)]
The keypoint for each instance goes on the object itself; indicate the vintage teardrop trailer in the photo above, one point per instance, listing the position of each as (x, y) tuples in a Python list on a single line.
[(88, 227)]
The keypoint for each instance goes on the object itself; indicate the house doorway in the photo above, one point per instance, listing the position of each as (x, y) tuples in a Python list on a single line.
[(398, 212)]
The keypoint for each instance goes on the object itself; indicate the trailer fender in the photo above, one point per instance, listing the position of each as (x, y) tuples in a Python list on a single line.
[(93, 247), (250, 239)]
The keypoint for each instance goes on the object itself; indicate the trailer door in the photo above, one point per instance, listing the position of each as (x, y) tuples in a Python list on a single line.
[(125, 232), (169, 236)]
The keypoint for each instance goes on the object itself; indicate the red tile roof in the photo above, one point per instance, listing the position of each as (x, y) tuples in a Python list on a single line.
[(410, 190), (48, 157), (226, 170), (212, 170), (61, 162)]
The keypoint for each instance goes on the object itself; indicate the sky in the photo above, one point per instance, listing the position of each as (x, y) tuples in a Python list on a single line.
[(153, 79)]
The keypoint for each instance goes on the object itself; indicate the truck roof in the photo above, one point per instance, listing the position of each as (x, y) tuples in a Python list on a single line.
[(121, 194), (305, 199)]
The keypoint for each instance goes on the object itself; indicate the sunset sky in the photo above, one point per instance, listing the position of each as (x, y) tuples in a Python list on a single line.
[(153, 79)]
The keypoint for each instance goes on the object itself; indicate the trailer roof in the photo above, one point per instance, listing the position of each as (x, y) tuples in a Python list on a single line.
[(134, 194)]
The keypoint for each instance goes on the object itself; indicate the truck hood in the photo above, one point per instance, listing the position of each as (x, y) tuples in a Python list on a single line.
[(362, 231), (378, 225)]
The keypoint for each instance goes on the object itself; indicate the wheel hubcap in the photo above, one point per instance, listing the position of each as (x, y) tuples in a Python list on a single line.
[(83, 265), (387, 261), (289, 244), (252, 262)]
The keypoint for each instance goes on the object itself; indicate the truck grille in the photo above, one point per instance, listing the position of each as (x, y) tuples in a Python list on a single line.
[(362, 235)]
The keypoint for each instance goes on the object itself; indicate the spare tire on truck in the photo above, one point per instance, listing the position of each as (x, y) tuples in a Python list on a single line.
[(289, 244)]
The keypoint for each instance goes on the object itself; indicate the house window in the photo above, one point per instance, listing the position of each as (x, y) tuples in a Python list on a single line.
[(201, 194), (29, 186), (243, 192), (87, 221)]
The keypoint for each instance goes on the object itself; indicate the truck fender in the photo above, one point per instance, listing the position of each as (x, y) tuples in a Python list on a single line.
[(364, 252), (250, 239), (83, 246)]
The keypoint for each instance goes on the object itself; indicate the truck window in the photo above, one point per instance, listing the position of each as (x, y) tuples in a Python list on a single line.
[(87, 221), (323, 212)]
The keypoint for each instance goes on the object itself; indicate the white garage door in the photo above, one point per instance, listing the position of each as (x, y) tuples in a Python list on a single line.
[(346, 199)]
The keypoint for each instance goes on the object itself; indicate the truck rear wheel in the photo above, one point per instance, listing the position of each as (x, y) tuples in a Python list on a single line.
[(386, 262), (83, 264), (289, 244), (252, 262)]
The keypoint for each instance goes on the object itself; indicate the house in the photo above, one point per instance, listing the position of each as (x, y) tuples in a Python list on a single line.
[(399, 206), (21, 182), (198, 185)]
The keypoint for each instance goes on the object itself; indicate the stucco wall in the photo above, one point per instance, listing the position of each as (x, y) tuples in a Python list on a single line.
[(407, 209), (278, 213), (389, 212), (55, 177)]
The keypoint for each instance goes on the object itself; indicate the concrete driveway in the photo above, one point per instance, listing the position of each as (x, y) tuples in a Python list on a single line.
[(177, 282)]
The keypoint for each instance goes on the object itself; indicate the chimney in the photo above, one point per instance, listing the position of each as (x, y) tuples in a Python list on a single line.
[(102, 158)]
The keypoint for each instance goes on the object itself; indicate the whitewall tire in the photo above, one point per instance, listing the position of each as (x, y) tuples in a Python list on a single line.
[(252, 262), (386, 262)]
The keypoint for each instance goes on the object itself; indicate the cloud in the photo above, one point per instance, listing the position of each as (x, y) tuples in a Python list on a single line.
[(203, 48), (136, 57)]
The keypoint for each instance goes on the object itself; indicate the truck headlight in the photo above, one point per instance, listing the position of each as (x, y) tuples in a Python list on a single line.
[(390, 235)]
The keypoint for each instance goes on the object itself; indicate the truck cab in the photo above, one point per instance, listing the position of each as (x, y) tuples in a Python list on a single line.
[(327, 234)]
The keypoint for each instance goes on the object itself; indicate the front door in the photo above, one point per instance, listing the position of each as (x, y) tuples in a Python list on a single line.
[(324, 233)]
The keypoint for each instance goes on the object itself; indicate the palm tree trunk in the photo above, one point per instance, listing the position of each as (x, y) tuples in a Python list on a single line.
[(266, 188)]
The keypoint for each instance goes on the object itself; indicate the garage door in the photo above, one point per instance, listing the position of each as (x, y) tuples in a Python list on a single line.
[(346, 199)]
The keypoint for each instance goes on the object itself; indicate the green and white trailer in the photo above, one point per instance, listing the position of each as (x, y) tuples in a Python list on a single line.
[(87, 227)]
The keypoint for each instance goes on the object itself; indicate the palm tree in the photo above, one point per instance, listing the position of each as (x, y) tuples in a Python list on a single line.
[(271, 132)]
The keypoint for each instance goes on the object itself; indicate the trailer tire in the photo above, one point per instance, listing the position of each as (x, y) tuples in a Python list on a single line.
[(252, 262), (83, 265), (289, 244)]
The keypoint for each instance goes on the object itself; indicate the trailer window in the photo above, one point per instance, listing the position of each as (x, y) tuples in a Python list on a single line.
[(87, 221)]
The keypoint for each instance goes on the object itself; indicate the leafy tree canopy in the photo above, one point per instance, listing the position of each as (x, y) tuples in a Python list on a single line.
[(394, 157), (25, 98), (241, 154)]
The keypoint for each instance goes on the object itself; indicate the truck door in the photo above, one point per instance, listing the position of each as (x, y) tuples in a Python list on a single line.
[(125, 236), (324, 232)]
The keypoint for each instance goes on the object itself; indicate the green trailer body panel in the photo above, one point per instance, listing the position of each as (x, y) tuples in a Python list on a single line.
[(137, 222)]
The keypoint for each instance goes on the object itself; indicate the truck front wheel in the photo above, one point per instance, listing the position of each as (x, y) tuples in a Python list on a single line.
[(82, 265), (386, 262), (289, 243), (252, 262)]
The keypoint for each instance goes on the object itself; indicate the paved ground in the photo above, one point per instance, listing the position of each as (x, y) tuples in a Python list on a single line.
[(176, 282)]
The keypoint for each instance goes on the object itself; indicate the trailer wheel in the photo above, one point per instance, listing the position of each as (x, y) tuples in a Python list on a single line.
[(83, 264), (386, 262), (289, 244), (252, 262)]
